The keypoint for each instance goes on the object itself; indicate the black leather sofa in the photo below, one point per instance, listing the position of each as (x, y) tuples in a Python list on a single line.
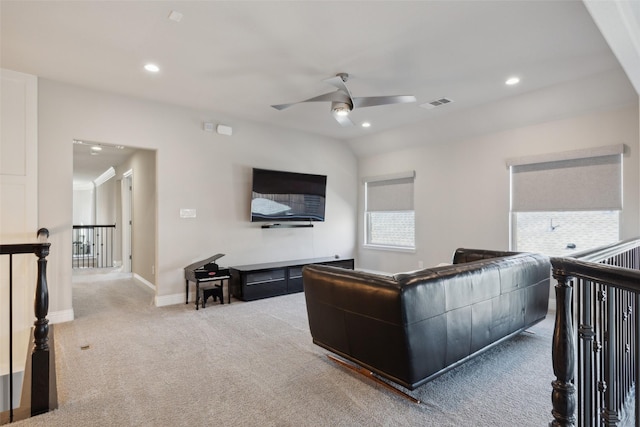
[(412, 327)]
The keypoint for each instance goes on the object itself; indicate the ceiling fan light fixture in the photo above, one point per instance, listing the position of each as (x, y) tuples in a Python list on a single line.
[(341, 109)]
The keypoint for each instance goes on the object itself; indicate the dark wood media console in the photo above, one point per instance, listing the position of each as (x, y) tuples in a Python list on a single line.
[(256, 281)]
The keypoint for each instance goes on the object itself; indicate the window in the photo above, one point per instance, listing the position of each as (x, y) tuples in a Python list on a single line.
[(389, 215), (566, 202), (560, 233)]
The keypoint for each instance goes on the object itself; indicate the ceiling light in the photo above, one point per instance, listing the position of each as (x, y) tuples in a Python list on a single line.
[(366, 124), (341, 109), (96, 148), (512, 81), (152, 68)]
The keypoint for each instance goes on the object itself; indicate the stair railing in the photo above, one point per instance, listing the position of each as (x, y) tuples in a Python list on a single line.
[(93, 246), (596, 367), (40, 356)]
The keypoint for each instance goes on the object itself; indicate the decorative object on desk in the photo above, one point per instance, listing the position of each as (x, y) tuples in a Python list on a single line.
[(206, 271)]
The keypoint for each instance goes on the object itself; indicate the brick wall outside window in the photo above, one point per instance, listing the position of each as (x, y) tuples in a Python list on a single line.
[(392, 229), (551, 232)]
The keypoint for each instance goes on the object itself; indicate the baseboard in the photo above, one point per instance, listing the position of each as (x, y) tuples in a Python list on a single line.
[(144, 281), (164, 300), (60, 316), (161, 301)]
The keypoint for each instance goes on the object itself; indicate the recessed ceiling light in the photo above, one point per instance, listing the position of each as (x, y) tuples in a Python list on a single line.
[(366, 124), (152, 68), (512, 81)]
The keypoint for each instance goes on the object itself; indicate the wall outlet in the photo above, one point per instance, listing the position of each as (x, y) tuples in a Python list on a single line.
[(420, 264), (153, 269)]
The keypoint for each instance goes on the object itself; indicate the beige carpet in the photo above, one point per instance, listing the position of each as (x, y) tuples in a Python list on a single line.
[(124, 362)]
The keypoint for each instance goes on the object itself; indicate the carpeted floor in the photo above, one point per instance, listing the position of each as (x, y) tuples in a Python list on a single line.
[(124, 362)]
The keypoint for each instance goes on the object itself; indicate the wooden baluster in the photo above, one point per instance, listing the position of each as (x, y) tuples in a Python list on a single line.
[(40, 355), (563, 396)]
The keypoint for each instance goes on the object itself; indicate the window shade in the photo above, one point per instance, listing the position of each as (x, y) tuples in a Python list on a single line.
[(593, 183), (394, 194)]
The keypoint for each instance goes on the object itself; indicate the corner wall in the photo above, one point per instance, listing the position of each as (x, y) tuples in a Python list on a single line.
[(196, 170)]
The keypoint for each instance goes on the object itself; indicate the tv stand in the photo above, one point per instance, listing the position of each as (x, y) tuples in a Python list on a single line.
[(257, 281)]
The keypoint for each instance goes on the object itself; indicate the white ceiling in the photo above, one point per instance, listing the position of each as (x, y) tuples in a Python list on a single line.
[(236, 58), (89, 164)]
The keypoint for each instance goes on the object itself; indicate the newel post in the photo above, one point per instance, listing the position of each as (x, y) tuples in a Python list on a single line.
[(563, 395), (40, 356)]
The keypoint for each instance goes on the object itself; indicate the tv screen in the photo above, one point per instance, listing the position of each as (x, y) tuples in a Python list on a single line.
[(287, 196)]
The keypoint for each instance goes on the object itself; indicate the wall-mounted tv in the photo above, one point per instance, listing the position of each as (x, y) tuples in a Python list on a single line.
[(287, 196)]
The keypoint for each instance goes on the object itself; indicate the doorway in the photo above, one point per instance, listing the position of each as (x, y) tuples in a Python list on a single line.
[(119, 198)]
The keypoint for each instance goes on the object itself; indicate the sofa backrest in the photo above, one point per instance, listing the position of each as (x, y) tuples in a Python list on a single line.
[(411, 326)]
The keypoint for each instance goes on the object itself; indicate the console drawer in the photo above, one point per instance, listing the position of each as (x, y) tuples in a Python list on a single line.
[(264, 290), (260, 277)]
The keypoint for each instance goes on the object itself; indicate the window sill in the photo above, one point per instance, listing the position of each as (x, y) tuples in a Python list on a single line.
[(389, 248)]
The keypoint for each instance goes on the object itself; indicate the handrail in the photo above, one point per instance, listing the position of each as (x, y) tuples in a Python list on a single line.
[(606, 282), (76, 227), (602, 253), (40, 354), (618, 277)]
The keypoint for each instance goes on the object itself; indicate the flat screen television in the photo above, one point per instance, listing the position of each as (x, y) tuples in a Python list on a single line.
[(287, 196)]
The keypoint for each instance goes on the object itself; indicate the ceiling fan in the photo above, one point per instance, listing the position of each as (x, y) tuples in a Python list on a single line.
[(342, 102)]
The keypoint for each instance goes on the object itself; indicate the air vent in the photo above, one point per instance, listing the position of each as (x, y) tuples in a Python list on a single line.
[(436, 103)]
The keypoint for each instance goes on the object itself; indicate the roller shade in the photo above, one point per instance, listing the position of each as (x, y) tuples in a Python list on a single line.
[(390, 193), (585, 183)]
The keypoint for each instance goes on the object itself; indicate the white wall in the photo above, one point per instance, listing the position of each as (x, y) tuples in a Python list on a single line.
[(83, 204), (105, 208), (462, 187), (194, 169), (142, 165)]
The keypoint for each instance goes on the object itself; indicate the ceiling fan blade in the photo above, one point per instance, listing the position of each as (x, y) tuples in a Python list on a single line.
[(338, 82), (343, 120), (371, 101), (331, 96)]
